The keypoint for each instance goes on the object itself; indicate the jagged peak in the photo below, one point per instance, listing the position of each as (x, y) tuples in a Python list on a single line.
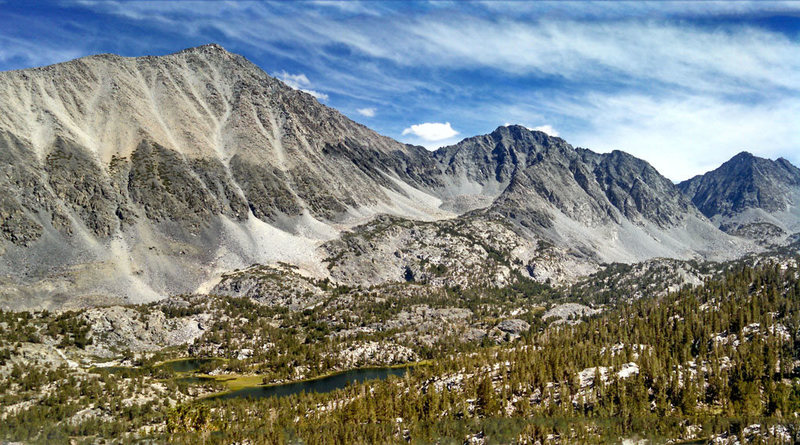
[(744, 164), (207, 48), (512, 127), (787, 164), (511, 135), (517, 129), (743, 156)]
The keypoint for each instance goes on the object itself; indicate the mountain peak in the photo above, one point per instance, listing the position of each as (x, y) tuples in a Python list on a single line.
[(207, 48), (744, 182), (746, 163), (786, 164), (522, 133), (743, 156), (200, 151), (517, 129)]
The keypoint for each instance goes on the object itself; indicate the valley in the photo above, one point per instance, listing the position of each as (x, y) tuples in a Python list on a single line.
[(193, 251), (686, 361)]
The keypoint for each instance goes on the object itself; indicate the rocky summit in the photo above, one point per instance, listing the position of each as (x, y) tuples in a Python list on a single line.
[(132, 179), (750, 196)]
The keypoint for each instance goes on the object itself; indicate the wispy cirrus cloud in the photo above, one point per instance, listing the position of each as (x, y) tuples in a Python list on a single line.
[(620, 52), (21, 53), (605, 10)]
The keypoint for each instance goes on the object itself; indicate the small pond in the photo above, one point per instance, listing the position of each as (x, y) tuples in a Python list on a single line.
[(320, 385)]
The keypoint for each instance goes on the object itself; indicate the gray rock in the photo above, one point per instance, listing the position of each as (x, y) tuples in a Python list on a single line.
[(474, 335), (118, 328), (184, 150), (514, 326), (568, 312), (273, 286)]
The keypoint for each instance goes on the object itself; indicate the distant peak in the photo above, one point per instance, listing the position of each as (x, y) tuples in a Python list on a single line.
[(743, 155), (212, 47), (207, 48), (785, 162), (741, 159), (747, 157), (513, 129), (517, 129)]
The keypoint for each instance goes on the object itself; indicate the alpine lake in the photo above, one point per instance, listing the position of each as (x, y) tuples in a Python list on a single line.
[(251, 386)]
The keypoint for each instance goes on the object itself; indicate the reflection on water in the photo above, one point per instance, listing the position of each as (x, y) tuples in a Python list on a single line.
[(321, 385), (184, 365), (188, 364)]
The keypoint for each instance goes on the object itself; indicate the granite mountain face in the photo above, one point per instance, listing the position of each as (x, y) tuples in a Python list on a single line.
[(750, 196), (606, 207), (138, 177), (134, 178)]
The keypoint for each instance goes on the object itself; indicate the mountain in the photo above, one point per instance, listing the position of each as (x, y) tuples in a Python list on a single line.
[(138, 177), (608, 207), (750, 196), (130, 179), (535, 206)]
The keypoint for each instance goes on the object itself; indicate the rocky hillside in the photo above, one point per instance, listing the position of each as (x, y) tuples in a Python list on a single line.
[(140, 177), (473, 250), (750, 196)]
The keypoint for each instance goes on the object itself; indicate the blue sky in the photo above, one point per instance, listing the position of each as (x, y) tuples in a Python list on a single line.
[(684, 85)]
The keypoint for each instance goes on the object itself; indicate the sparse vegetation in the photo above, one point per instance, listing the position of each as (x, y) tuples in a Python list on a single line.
[(687, 364)]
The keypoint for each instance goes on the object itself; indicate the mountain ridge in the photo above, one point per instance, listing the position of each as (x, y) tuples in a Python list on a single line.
[(176, 163), (136, 178)]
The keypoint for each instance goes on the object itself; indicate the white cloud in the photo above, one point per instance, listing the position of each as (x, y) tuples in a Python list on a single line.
[(623, 52), (349, 7), (317, 94), (300, 82), (368, 112), (431, 131), (645, 9), (545, 129)]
